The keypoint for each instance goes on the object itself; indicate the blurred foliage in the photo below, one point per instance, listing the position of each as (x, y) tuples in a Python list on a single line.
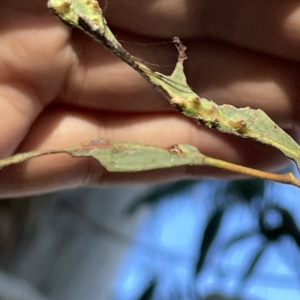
[(285, 224), (272, 223), (269, 228), (148, 294), (13, 215), (219, 297), (161, 192), (210, 232), (246, 189)]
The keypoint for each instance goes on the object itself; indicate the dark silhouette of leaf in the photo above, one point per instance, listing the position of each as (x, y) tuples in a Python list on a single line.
[(161, 192), (209, 236), (219, 297), (149, 292), (246, 189), (238, 238), (287, 226), (254, 262), (137, 157)]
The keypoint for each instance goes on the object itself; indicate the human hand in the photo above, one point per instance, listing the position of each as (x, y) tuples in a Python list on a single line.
[(58, 87)]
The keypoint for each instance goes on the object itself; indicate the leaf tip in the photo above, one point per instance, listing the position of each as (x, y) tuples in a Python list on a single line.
[(180, 48)]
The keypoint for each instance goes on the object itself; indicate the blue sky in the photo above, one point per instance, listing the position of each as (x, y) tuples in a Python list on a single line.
[(167, 246)]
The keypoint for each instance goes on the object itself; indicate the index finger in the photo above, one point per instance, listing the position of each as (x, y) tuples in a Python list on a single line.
[(271, 26)]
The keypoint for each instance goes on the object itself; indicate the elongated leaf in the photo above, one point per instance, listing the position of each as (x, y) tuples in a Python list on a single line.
[(134, 157), (254, 261), (123, 157), (148, 294), (209, 236), (238, 238)]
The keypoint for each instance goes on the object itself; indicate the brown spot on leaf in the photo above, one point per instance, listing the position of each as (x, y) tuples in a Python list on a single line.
[(239, 126), (94, 4), (175, 150), (180, 48), (95, 144)]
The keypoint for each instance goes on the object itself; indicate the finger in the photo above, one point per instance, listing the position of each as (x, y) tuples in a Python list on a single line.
[(271, 27), (16, 117), (29, 79), (266, 26), (60, 128)]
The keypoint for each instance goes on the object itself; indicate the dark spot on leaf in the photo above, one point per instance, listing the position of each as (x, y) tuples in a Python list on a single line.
[(196, 100), (95, 144), (180, 48), (215, 124), (175, 150), (179, 107)]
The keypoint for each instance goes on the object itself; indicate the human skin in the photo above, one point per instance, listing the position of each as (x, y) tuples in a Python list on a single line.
[(58, 87)]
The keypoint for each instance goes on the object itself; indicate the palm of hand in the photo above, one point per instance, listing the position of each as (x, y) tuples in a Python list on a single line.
[(59, 88)]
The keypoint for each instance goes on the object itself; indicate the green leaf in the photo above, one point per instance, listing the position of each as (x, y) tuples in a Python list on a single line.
[(70, 10), (244, 122), (122, 156), (135, 157)]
